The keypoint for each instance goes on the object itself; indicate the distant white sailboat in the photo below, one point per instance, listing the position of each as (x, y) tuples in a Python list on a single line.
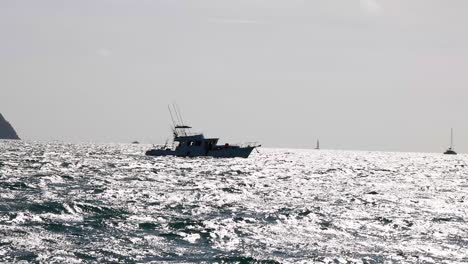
[(450, 150)]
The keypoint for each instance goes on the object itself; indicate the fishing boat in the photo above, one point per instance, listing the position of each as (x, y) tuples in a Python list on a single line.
[(187, 144), (450, 150)]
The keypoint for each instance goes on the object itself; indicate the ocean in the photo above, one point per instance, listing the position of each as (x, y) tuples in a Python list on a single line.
[(108, 203)]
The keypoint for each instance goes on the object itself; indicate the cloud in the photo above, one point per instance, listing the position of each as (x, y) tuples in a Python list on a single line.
[(371, 7)]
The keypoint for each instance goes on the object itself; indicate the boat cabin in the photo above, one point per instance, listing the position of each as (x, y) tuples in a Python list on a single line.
[(195, 144)]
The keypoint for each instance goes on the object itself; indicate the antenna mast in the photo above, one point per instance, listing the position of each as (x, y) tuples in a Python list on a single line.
[(451, 137)]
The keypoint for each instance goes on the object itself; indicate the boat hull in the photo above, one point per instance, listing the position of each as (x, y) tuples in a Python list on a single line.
[(231, 153), (450, 152), (243, 152)]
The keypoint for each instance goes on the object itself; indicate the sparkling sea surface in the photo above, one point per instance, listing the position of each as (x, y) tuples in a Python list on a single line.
[(108, 203)]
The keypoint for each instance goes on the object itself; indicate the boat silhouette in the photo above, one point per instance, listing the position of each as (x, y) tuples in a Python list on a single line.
[(450, 150), (187, 144)]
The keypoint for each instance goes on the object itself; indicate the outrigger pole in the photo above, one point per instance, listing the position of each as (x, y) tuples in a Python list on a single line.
[(177, 116), (174, 132), (178, 122), (172, 117)]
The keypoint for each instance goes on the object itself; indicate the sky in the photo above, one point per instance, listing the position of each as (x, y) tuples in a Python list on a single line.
[(387, 75)]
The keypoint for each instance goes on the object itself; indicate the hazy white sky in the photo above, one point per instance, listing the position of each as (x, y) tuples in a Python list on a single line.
[(358, 74)]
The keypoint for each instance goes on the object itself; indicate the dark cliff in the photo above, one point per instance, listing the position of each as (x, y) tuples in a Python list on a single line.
[(6, 130)]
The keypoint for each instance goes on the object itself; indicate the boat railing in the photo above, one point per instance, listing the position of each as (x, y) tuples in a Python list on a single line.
[(248, 144), (164, 146), (172, 146), (188, 134)]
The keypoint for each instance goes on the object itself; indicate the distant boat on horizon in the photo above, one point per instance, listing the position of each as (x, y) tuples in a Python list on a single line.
[(318, 145), (450, 150)]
